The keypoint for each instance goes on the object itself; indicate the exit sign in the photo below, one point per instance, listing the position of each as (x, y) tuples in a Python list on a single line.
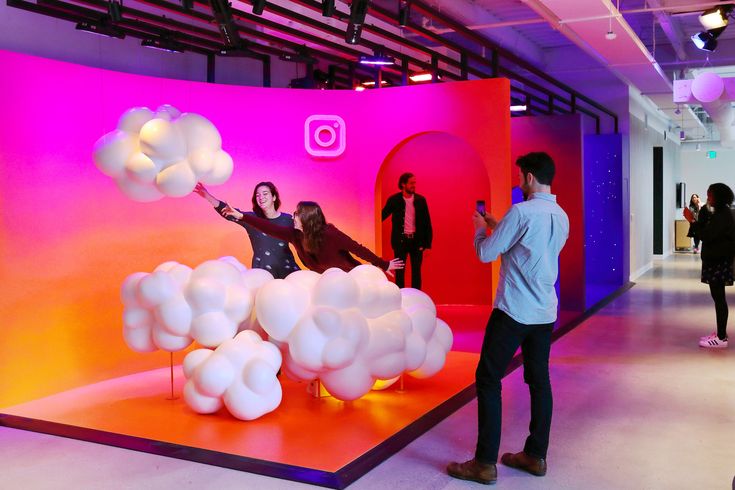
[(712, 154)]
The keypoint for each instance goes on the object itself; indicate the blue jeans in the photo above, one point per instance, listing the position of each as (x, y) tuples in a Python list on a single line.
[(503, 335)]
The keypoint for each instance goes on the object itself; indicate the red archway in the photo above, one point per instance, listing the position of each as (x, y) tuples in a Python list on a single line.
[(452, 177)]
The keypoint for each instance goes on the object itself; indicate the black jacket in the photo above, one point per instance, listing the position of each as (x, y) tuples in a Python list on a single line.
[(717, 232), (395, 206)]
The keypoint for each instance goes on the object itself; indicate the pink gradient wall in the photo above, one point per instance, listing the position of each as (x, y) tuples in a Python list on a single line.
[(68, 237), (560, 137)]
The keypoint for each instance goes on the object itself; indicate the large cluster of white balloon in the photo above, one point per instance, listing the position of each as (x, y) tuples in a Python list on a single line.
[(350, 329), (162, 153), (175, 305)]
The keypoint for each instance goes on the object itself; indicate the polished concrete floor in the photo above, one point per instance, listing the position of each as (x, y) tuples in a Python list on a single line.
[(638, 405)]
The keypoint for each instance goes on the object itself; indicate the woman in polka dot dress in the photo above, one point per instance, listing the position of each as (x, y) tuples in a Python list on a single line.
[(269, 253)]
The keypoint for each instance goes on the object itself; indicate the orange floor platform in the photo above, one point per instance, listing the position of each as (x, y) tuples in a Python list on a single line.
[(322, 441)]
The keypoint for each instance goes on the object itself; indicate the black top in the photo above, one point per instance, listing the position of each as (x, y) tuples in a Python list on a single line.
[(395, 206), (717, 232), (269, 253)]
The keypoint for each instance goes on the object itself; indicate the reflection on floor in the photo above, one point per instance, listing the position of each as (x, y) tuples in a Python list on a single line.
[(637, 405)]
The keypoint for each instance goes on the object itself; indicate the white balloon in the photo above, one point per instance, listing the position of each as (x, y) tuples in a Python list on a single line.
[(177, 180), (260, 377), (435, 358), (238, 303), (246, 405), (141, 169), (162, 142), (415, 351), (112, 151), (306, 344), (205, 294), (304, 278), (214, 376), (129, 288), (193, 359), (349, 383), (338, 353), (138, 192), (336, 288), (367, 273), (198, 402), (199, 132), (133, 119), (180, 273), (213, 328), (423, 320), (443, 334), (279, 305), (155, 289), (167, 111), (139, 339), (221, 169), (134, 317), (168, 342), (413, 297), (202, 162), (256, 278), (175, 316), (222, 270)]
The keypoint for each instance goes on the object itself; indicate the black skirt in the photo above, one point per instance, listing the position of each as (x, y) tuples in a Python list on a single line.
[(718, 272)]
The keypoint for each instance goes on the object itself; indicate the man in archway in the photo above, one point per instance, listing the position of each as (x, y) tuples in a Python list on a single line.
[(411, 233)]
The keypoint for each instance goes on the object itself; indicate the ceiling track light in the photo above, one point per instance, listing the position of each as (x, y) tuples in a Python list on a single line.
[(162, 44), (716, 17), (404, 12), (258, 6), (707, 40), (377, 59), (114, 10), (328, 8), (358, 12), (300, 56), (101, 29)]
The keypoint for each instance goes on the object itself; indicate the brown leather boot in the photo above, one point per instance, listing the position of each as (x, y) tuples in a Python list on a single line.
[(525, 462), (473, 470)]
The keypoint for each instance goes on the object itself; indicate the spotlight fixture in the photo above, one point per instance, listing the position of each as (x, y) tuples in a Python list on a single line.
[(682, 135), (101, 29), (707, 40), (610, 35), (258, 6), (114, 11), (358, 12), (239, 52), (328, 8), (300, 56), (377, 58), (162, 44), (404, 12), (716, 17)]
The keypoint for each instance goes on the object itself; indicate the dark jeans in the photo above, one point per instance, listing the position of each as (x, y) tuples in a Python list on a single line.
[(503, 335), (717, 290), (408, 247)]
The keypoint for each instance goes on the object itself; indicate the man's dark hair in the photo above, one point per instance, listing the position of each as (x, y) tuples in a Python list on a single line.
[(539, 164), (403, 179), (722, 196)]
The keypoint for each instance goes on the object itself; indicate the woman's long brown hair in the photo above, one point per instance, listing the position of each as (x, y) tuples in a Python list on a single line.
[(313, 223)]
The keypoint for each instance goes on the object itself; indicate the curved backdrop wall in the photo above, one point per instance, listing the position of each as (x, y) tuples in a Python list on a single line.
[(68, 237)]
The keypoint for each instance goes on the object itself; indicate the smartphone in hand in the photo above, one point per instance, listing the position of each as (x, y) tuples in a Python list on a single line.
[(480, 207)]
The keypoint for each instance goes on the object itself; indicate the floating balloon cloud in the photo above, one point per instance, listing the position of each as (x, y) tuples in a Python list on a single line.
[(162, 153), (240, 374), (175, 305), (351, 329)]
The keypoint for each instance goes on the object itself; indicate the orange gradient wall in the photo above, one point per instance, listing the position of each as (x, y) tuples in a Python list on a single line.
[(68, 237)]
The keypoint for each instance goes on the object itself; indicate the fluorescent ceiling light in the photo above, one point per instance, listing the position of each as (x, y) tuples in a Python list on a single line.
[(376, 59), (518, 108), (421, 77), (715, 18)]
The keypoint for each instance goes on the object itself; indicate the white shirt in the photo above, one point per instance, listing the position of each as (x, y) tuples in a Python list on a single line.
[(529, 238), (409, 219)]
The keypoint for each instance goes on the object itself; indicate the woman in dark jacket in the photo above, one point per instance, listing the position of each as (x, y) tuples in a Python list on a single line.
[(691, 214), (717, 231)]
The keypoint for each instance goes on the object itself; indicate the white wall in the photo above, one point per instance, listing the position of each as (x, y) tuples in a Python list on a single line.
[(698, 171), (642, 140)]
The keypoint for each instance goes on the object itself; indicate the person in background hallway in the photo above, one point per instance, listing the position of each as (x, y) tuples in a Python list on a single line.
[(411, 232), (691, 214), (717, 232), (269, 253), (529, 238), (319, 245)]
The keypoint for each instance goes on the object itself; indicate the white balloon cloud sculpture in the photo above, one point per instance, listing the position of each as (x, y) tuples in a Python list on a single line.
[(240, 374), (163, 153), (175, 305), (351, 329)]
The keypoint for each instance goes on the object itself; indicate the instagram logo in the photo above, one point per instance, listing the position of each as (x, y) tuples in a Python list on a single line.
[(324, 136)]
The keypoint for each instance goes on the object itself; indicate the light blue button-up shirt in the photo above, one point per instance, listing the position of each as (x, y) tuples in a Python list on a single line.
[(529, 237)]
